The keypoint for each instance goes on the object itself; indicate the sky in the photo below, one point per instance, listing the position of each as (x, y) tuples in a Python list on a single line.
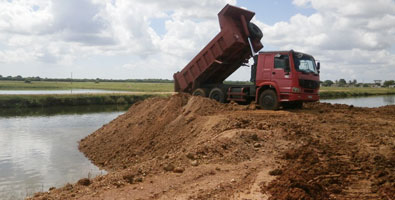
[(137, 39)]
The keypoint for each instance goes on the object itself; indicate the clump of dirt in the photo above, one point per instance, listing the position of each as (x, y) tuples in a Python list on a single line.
[(345, 153), (185, 147)]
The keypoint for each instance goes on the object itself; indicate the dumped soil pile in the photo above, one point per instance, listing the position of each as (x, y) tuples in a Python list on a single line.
[(186, 147), (155, 130)]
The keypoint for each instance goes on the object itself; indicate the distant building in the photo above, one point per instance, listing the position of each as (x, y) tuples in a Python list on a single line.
[(378, 82)]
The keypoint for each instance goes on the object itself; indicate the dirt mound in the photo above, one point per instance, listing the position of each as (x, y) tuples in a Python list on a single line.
[(156, 130), (186, 147)]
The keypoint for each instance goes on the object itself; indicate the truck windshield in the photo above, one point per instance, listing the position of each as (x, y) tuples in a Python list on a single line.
[(305, 63)]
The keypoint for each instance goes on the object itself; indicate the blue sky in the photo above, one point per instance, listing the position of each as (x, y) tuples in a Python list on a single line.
[(273, 11), (123, 39)]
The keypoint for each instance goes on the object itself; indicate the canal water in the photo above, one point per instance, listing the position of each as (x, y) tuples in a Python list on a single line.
[(370, 102), (41, 151), (39, 147)]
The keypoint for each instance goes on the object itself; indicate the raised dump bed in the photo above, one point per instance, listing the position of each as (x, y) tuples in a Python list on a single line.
[(224, 54)]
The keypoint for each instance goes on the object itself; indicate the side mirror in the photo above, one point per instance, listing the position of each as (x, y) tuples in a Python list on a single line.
[(318, 67)]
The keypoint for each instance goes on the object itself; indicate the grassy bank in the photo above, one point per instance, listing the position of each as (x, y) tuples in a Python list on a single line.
[(341, 92), (61, 110), (117, 86), (325, 92), (28, 101)]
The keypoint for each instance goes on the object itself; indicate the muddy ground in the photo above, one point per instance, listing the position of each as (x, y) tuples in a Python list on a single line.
[(186, 147)]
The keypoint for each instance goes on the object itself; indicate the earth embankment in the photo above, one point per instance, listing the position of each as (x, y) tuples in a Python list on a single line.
[(185, 147)]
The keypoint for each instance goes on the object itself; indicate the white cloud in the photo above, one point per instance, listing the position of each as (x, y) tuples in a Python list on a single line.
[(348, 37), (64, 30), (24, 17)]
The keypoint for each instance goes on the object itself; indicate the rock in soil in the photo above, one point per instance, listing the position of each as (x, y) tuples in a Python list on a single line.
[(84, 181), (178, 170), (194, 163), (169, 167)]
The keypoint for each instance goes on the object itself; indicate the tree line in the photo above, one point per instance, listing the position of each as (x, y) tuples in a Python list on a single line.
[(343, 83)]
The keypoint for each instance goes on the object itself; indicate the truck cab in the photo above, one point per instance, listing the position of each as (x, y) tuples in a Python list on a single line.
[(292, 76)]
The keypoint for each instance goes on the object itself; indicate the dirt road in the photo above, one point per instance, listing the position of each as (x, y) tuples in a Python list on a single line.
[(186, 147)]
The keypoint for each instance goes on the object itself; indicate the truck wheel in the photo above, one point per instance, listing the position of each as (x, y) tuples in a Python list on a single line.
[(200, 92), (255, 31), (217, 94), (268, 100)]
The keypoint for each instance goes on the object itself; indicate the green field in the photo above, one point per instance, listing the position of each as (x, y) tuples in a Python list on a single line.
[(25, 101), (117, 86), (147, 89), (342, 92), (326, 92)]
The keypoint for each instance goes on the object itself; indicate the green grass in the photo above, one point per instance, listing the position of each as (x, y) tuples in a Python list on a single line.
[(342, 92), (27, 101), (49, 100), (150, 89), (61, 110), (120, 86)]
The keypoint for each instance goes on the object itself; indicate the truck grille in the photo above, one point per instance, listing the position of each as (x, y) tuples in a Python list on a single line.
[(309, 84)]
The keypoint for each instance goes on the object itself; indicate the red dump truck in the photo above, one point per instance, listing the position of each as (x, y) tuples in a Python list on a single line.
[(278, 78)]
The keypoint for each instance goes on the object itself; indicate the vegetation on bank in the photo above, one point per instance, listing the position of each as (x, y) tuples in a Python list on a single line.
[(61, 110), (343, 83), (344, 92), (27, 101)]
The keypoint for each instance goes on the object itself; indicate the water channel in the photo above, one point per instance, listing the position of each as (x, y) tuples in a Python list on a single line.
[(39, 147), (369, 102), (40, 151)]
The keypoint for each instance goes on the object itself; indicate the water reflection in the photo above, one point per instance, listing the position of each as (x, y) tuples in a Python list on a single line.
[(390, 100), (372, 101), (40, 152)]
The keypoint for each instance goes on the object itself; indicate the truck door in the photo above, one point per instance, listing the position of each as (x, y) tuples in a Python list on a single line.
[(264, 68), (281, 73)]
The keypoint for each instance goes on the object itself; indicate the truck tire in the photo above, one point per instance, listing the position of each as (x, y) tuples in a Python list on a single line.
[(218, 95), (200, 92), (255, 31), (268, 100)]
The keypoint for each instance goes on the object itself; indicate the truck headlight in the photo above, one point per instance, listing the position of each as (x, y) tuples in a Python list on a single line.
[(296, 90)]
